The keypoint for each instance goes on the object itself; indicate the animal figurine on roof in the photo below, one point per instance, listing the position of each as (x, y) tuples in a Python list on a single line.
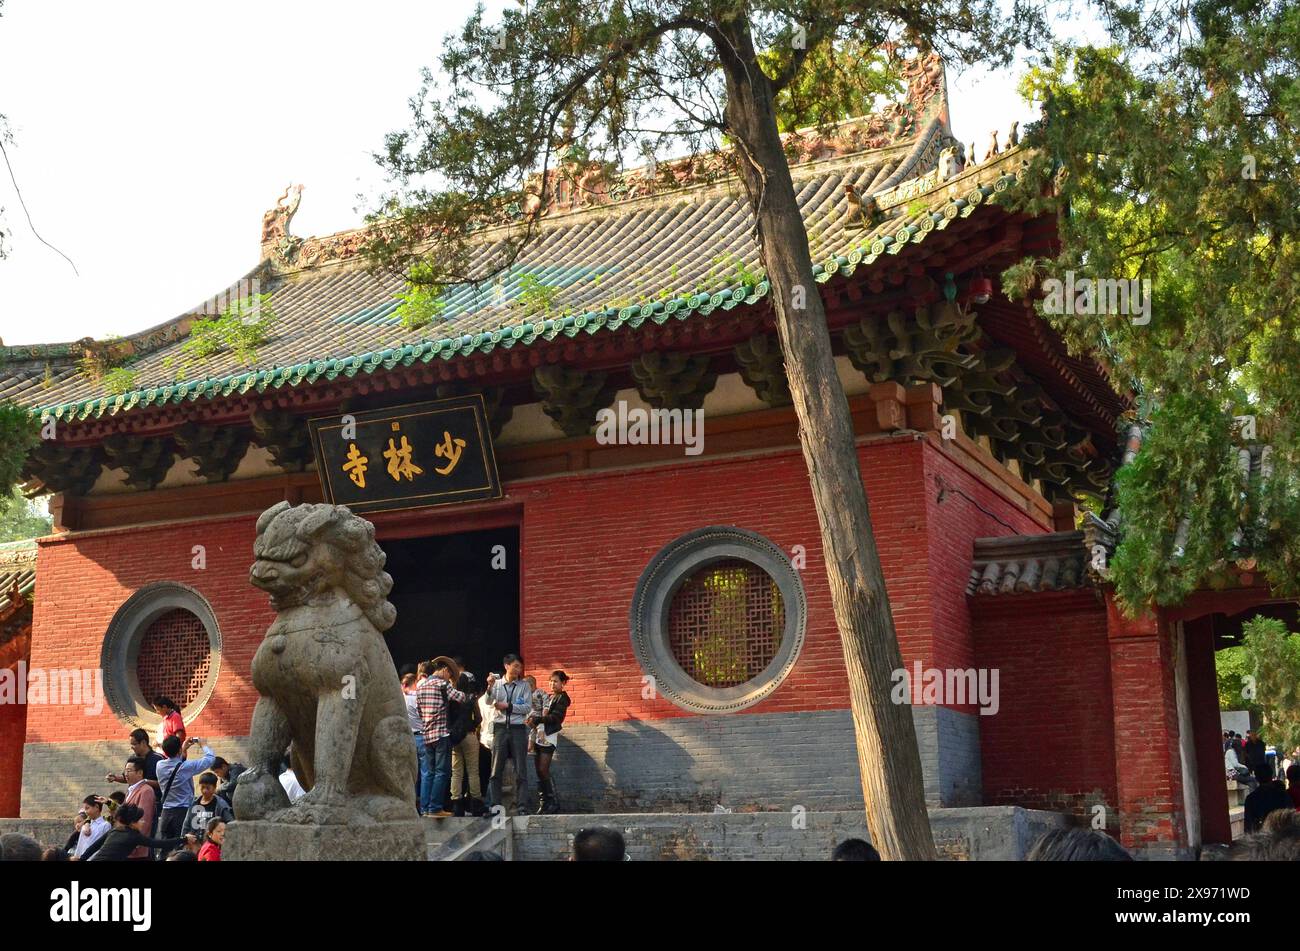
[(950, 163), (863, 211)]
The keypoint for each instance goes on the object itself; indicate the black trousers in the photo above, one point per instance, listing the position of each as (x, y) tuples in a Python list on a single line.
[(509, 742)]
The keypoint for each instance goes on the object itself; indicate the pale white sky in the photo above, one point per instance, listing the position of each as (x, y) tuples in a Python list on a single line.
[(150, 137)]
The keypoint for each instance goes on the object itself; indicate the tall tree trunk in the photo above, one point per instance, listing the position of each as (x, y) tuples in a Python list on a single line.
[(892, 783)]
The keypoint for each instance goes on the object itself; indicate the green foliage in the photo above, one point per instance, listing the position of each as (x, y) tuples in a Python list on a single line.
[(119, 380), (423, 300), (240, 330), (21, 519), (1272, 656), (840, 81), (1231, 669), (1186, 476), (535, 297), (1170, 156), (19, 432)]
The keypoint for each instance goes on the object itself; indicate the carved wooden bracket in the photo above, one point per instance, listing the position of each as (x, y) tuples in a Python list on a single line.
[(145, 459), (284, 436), (216, 450), (498, 411), (762, 367), (63, 468), (572, 397), (673, 380), (923, 348)]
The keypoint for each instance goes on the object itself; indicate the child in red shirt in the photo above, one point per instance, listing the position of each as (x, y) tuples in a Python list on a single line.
[(211, 850)]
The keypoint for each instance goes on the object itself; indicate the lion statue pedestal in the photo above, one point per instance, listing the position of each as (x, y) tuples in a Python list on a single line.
[(328, 686)]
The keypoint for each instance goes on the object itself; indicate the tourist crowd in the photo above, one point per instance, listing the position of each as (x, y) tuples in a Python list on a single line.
[(466, 735), (176, 806)]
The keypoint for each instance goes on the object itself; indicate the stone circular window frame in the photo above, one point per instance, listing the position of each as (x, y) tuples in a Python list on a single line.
[(121, 651), (652, 602)]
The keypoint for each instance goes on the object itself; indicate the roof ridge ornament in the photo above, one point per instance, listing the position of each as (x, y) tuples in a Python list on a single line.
[(276, 239)]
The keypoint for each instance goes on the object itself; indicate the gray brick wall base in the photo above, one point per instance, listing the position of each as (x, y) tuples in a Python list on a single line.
[(57, 776), (992, 833), (745, 761)]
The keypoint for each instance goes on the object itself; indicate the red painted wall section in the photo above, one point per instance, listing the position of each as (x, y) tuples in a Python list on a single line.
[(1207, 730), (84, 580), (969, 509), (1148, 767), (1051, 743), (585, 541), (13, 729)]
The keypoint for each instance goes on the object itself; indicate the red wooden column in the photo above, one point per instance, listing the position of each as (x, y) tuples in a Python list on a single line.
[(1204, 689), (14, 656), (1148, 768)]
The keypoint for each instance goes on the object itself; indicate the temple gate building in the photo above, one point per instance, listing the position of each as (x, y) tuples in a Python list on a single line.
[(684, 592)]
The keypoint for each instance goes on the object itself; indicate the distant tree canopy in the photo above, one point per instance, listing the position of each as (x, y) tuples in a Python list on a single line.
[(1269, 680), (20, 518), (839, 81), (1173, 155)]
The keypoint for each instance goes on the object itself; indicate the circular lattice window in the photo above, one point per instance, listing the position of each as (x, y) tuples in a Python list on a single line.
[(163, 642), (718, 619), (175, 658)]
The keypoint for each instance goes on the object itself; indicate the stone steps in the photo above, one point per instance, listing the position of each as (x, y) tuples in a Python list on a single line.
[(1237, 793)]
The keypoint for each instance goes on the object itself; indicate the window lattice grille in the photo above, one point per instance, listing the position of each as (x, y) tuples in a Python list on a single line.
[(175, 658), (726, 623)]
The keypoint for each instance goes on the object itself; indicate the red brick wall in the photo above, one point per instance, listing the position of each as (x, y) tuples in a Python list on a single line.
[(83, 581), (1147, 760), (954, 524), (1050, 745), (585, 541)]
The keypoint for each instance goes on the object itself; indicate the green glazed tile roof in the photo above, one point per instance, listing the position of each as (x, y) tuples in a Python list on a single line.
[(660, 259)]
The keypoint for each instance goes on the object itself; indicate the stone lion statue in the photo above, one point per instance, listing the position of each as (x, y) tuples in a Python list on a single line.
[(326, 680)]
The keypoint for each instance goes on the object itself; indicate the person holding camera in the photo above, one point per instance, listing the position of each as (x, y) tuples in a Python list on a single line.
[(176, 778)]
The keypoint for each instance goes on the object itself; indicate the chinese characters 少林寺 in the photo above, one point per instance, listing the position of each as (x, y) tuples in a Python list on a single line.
[(356, 466), (449, 449), (399, 461)]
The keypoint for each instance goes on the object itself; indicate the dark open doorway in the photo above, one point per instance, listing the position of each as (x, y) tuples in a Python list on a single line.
[(456, 595)]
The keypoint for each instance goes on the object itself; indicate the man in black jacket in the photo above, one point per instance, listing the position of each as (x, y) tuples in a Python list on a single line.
[(1255, 750), (1270, 795)]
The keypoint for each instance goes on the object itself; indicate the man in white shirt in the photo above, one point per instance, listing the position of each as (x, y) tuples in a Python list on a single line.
[(292, 788), (487, 714), (94, 828)]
